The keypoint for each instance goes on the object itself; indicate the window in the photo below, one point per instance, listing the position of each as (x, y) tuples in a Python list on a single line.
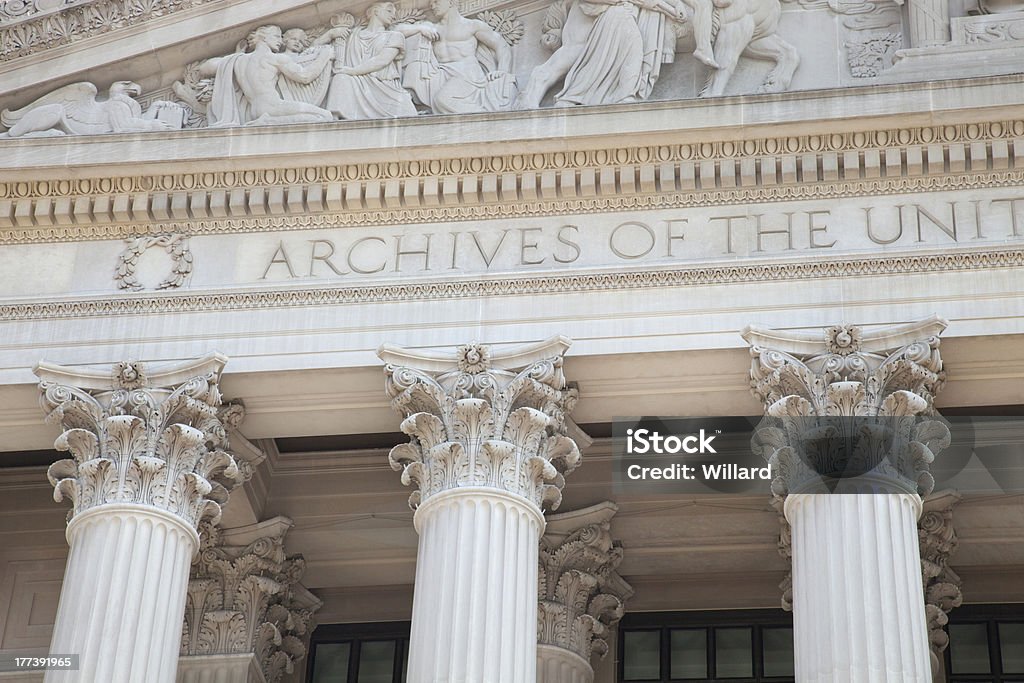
[(742, 646), (359, 653), (986, 643)]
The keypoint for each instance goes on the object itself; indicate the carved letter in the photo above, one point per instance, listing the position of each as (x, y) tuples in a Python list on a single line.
[(728, 229), (622, 254), (357, 269), (787, 231), (871, 234), (672, 236), (949, 230), (424, 252), (1013, 212), (812, 228), (326, 258), (284, 259), (569, 243), (524, 245), (484, 255)]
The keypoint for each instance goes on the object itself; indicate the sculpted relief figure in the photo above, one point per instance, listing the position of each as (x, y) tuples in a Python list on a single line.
[(245, 88), (306, 52), (73, 110), (750, 28), (367, 83), (458, 65)]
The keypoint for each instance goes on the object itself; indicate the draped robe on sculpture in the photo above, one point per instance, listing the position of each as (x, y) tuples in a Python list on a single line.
[(609, 70), (374, 95)]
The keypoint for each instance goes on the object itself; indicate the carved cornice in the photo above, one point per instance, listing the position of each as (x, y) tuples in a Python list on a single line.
[(517, 286), (938, 158), (148, 438), (581, 593), (941, 584), (244, 597), (843, 406), (34, 30), (483, 419)]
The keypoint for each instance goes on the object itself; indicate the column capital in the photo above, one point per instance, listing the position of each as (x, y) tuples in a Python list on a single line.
[(483, 418), (849, 406), (244, 597), (140, 436), (581, 592)]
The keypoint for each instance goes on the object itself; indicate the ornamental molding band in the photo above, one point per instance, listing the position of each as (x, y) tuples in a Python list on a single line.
[(581, 593), (849, 407), (141, 437), (880, 162), (480, 418), (244, 598), (941, 584)]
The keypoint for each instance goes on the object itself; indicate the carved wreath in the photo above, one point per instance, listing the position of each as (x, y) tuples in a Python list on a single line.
[(176, 246)]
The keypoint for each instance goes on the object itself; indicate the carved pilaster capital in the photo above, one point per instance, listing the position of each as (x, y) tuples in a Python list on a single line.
[(581, 593), (153, 438), (849, 402), (942, 591), (244, 596), (483, 418)]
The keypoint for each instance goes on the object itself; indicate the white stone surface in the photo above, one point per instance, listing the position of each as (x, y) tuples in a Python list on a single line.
[(858, 612), (123, 596)]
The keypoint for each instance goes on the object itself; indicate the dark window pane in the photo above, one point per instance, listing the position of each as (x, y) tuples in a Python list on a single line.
[(733, 653), (330, 663), (968, 649), (778, 651), (377, 662), (1011, 645), (689, 656), (641, 657)]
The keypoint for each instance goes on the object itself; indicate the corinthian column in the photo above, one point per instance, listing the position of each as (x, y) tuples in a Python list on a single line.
[(581, 593), (849, 437), (488, 449), (247, 616), (150, 462)]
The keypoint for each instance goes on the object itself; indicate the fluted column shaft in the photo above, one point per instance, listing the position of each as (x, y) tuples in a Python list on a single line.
[(123, 596), (858, 614), (474, 614)]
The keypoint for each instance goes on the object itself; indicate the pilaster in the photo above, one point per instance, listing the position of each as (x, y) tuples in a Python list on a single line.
[(581, 593), (247, 617)]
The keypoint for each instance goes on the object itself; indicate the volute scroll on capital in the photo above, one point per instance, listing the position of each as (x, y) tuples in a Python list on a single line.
[(481, 418), (849, 408), (140, 436)]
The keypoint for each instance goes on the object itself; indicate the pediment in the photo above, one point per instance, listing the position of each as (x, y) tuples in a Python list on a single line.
[(527, 55)]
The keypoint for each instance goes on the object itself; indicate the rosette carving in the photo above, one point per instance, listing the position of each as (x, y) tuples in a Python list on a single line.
[(244, 597), (581, 594), (474, 420), (140, 437), (941, 584), (853, 405)]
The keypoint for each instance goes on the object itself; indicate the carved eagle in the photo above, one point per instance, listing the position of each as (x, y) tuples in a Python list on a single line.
[(74, 110)]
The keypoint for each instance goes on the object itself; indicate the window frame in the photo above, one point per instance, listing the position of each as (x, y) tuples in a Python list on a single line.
[(357, 634), (666, 622), (991, 616)]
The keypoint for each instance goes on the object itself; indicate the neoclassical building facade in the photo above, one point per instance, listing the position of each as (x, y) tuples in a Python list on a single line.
[(316, 317)]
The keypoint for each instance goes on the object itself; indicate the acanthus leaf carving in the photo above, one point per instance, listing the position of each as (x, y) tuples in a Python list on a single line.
[(938, 541), (136, 437), (581, 594), (244, 597), (473, 423)]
